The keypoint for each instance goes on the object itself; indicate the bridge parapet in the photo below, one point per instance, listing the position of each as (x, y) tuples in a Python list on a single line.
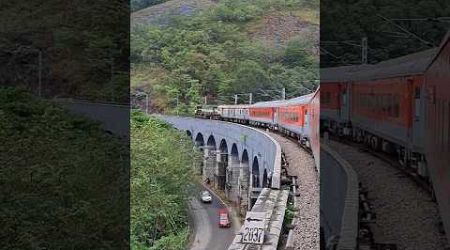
[(273, 203)]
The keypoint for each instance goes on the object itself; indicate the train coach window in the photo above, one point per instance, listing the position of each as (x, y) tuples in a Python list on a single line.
[(417, 93), (389, 105), (396, 106)]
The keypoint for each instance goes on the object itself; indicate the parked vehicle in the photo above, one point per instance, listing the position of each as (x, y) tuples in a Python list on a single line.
[(206, 197)]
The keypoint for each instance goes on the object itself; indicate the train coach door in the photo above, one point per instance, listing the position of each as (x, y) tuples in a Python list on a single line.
[(417, 109), (344, 102), (306, 121)]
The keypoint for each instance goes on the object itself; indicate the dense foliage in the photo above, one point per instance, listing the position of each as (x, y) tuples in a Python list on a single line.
[(161, 177), (84, 45), (410, 28), (64, 182), (211, 54)]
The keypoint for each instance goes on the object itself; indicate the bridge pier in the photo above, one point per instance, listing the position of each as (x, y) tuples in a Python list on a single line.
[(218, 175), (209, 165), (232, 179), (244, 181)]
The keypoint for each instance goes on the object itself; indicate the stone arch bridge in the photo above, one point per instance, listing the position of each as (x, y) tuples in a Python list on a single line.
[(239, 160)]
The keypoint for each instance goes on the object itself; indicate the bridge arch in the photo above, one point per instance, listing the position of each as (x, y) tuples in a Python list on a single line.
[(244, 159), (199, 141), (265, 179), (211, 143), (223, 171), (189, 133), (244, 180), (234, 154), (255, 173)]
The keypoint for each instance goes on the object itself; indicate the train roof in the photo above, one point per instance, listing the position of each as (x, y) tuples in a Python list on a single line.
[(276, 103), (341, 73), (234, 106), (412, 64), (300, 100), (280, 103), (444, 42)]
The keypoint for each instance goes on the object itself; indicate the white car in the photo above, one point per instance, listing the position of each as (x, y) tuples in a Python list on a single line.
[(206, 197)]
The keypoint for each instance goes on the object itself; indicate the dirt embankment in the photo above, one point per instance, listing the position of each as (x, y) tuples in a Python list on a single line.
[(275, 29)]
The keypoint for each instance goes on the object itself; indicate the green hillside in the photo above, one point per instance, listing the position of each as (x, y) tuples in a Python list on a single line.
[(84, 47), (232, 47), (161, 182), (64, 181)]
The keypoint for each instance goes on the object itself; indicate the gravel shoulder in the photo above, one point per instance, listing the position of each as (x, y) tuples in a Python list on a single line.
[(406, 215), (301, 164)]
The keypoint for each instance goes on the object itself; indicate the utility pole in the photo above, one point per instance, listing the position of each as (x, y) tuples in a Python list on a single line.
[(206, 100), (283, 94), (177, 103), (40, 73), (235, 99), (111, 78), (364, 50), (250, 98)]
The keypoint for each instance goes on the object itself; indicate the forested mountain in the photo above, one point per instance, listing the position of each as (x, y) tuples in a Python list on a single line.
[(392, 28), (232, 47), (84, 47)]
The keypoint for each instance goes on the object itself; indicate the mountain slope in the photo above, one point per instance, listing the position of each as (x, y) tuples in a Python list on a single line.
[(183, 58)]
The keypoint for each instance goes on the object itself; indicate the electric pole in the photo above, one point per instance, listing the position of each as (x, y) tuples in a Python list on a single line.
[(235, 99), (364, 50), (177, 103), (250, 98), (283, 94)]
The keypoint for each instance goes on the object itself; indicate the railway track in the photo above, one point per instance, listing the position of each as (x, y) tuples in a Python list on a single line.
[(396, 211), (300, 167)]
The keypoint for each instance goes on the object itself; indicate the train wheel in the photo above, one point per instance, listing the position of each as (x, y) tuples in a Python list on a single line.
[(367, 138), (374, 143), (402, 157), (359, 136)]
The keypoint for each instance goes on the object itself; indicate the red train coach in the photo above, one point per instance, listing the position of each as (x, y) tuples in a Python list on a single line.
[(264, 113), (314, 112), (293, 117), (437, 133), (387, 101), (334, 94)]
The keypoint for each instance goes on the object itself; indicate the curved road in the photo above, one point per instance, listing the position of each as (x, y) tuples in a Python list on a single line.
[(207, 233)]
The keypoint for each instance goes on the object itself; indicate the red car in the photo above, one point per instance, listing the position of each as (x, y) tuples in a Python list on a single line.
[(224, 218)]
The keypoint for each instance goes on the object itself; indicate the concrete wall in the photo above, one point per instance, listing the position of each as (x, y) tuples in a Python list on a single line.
[(339, 201), (257, 144)]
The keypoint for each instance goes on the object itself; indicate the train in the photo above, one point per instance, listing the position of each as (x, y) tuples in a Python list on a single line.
[(297, 117), (399, 106)]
